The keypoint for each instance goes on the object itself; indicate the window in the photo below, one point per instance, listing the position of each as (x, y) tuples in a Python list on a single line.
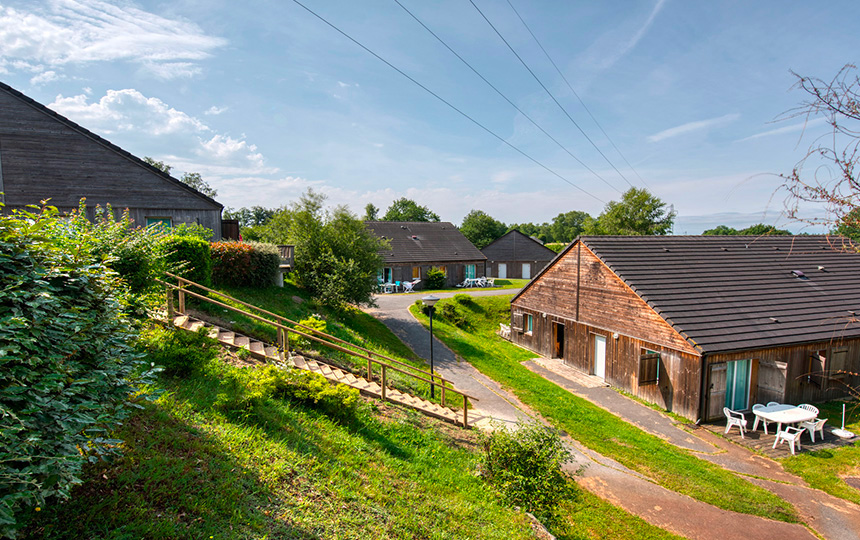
[(416, 272), (470, 271), (165, 222), (824, 364), (528, 323), (649, 367)]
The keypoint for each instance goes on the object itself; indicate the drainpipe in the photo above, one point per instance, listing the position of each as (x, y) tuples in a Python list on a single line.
[(703, 397)]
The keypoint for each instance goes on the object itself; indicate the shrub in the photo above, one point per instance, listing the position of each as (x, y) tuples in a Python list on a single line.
[(449, 312), (239, 264), (245, 388), (314, 322), (67, 369), (179, 352), (464, 299), (188, 257), (525, 466), (436, 278)]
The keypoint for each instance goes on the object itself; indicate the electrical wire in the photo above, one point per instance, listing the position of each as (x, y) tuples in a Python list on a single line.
[(551, 61), (560, 106), (443, 100), (514, 105)]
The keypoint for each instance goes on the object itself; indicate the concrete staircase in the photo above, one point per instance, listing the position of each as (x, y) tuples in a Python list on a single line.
[(270, 354)]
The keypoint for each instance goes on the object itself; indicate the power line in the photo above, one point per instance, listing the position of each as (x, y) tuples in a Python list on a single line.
[(560, 106), (575, 94), (491, 85), (443, 100)]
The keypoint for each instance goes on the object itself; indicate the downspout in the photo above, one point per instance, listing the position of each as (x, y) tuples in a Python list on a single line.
[(703, 396)]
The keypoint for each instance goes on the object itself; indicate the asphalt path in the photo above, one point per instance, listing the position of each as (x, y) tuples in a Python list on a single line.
[(494, 404)]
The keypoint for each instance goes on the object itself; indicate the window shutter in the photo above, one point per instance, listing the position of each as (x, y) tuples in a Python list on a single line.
[(838, 358), (649, 368), (517, 321)]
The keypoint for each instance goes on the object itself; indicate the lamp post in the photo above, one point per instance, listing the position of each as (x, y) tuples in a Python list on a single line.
[(430, 301)]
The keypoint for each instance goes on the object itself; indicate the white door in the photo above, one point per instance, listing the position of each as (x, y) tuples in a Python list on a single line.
[(503, 270), (527, 271), (600, 356)]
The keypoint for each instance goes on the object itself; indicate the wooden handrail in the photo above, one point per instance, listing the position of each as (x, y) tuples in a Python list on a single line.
[(284, 319), (433, 380)]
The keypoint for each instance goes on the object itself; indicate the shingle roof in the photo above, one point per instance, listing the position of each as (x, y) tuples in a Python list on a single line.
[(516, 246), (727, 293), (102, 141), (424, 242)]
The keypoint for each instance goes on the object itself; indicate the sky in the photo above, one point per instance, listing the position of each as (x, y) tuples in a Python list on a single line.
[(266, 100)]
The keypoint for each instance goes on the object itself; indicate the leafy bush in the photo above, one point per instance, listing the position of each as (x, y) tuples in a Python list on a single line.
[(436, 278), (464, 300), (67, 369), (525, 466), (245, 388), (179, 352), (193, 230), (245, 264), (188, 257), (449, 312), (314, 322)]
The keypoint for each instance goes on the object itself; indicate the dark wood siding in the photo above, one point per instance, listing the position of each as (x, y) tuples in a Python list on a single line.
[(514, 268), (44, 157), (456, 271)]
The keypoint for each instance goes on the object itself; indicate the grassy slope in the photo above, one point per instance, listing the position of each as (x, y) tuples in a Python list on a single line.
[(825, 469), (671, 467), (280, 470)]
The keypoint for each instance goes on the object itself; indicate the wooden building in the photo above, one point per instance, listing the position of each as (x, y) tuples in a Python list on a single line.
[(44, 155), (696, 323), (516, 255), (417, 246)]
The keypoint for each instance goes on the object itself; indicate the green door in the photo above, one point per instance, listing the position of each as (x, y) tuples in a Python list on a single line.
[(738, 384)]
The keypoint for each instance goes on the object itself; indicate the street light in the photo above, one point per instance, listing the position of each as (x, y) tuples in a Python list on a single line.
[(430, 301)]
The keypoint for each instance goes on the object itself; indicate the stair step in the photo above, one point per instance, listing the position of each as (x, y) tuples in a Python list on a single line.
[(226, 337), (241, 341), (180, 320), (257, 347), (349, 378), (194, 325), (213, 332), (325, 369), (270, 351)]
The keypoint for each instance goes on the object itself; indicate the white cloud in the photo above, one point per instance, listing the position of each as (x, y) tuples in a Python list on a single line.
[(786, 129), (127, 110), (693, 126), (72, 32), (215, 111), (44, 78), (225, 149)]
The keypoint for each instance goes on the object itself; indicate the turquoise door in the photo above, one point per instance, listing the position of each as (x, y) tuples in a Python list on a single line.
[(738, 384)]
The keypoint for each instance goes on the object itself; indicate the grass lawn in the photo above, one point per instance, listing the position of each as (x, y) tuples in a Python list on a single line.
[(825, 469), (283, 469), (671, 467)]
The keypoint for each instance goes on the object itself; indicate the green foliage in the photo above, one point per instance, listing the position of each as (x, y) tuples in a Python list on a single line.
[(759, 229), (251, 264), (638, 213), (721, 230), (404, 209), (336, 256), (524, 465), (481, 229), (67, 369), (436, 278), (188, 257), (179, 352), (371, 212), (449, 312), (556, 246), (567, 226), (246, 388), (317, 323), (849, 225), (194, 230), (250, 217), (191, 179)]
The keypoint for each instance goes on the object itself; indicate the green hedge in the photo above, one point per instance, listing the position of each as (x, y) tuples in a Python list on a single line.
[(245, 264), (188, 257)]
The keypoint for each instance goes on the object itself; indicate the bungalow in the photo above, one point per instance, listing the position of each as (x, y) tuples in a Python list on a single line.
[(44, 155), (516, 255), (697, 323), (417, 246)]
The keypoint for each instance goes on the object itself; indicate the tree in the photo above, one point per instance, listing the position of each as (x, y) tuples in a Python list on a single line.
[(336, 256), (567, 226), (191, 179), (638, 213), (849, 226), (759, 229), (826, 176), (254, 216), (721, 230), (371, 212), (481, 229), (404, 209)]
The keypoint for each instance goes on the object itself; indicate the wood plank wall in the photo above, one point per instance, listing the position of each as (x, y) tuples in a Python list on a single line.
[(456, 271)]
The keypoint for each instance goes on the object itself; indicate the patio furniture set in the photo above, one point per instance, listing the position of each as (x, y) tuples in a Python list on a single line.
[(797, 418), (477, 282)]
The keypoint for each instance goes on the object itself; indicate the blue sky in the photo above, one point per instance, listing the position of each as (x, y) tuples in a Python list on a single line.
[(265, 100)]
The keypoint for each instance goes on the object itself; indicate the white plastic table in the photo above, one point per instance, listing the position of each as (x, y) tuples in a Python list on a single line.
[(784, 414)]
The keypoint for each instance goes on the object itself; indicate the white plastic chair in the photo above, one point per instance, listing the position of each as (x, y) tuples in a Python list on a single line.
[(735, 418), (808, 407), (755, 408), (772, 403), (814, 425), (407, 286), (790, 435), (491, 282)]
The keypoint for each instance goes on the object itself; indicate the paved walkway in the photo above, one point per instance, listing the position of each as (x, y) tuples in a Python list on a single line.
[(828, 516)]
